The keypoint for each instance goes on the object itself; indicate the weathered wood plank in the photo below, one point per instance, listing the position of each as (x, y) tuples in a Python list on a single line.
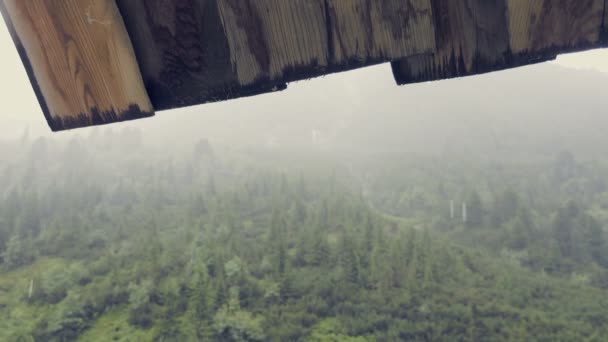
[(270, 39), (183, 52), (79, 59), (278, 40), (84, 61), (542, 27), (471, 37), (198, 51), (365, 32), (604, 36)]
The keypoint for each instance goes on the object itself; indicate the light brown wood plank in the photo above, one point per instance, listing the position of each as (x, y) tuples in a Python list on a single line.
[(271, 38), (80, 60)]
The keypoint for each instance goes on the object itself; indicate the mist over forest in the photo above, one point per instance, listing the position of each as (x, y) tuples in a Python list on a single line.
[(473, 209)]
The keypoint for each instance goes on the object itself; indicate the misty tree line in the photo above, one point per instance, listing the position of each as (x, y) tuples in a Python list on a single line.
[(550, 213), (99, 241)]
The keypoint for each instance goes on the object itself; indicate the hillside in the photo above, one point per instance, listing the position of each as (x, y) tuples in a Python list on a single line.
[(205, 244)]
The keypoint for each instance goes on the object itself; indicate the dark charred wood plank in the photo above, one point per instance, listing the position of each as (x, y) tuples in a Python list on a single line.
[(198, 51), (478, 36), (604, 37), (472, 37), (547, 27), (183, 52), (80, 61)]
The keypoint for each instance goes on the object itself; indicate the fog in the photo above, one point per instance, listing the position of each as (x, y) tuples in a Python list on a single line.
[(365, 111), (342, 209)]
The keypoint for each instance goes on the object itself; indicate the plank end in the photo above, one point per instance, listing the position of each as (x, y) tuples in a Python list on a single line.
[(96, 117)]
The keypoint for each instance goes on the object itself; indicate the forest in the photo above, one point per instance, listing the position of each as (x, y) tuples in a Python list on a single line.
[(105, 237)]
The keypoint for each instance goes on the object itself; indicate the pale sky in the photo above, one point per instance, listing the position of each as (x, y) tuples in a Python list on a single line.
[(19, 104), (594, 59)]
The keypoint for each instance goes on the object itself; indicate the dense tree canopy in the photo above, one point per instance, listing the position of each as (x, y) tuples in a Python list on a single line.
[(99, 243)]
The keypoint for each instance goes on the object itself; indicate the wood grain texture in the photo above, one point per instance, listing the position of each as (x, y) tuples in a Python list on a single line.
[(183, 52), (199, 51), (370, 31), (278, 40), (478, 36), (79, 59), (604, 35), (84, 56), (471, 37), (271, 38), (542, 26)]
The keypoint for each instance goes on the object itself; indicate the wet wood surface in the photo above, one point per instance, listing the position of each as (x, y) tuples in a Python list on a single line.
[(547, 25), (79, 59), (368, 31), (182, 48), (199, 51), (471, 35), (605, 25), (99, 61), (271, 38), (478, 36)]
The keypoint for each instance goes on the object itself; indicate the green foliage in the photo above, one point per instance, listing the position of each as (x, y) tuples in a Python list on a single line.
[(52, 286), (139, 303), (17, 253), (475, 210), (330, 330), (67, 322), (202, 248), (238, 326)]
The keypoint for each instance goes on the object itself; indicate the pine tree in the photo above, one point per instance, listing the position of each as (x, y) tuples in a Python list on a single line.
[(368, 241), (278, 242), (320, 255), (475, 210), (349, 260), (428, 258), (16, 253), (200, 299), (563, 229), (506, 207), (593, 240)]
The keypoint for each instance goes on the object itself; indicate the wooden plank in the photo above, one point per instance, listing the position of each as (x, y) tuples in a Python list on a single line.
[(198, 51), (544, 27), (604, 37), (84, 63), (472, 40), (472, 37), (274, 40), (365, 32), (183, 52), (270, 39), (79, 59)]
